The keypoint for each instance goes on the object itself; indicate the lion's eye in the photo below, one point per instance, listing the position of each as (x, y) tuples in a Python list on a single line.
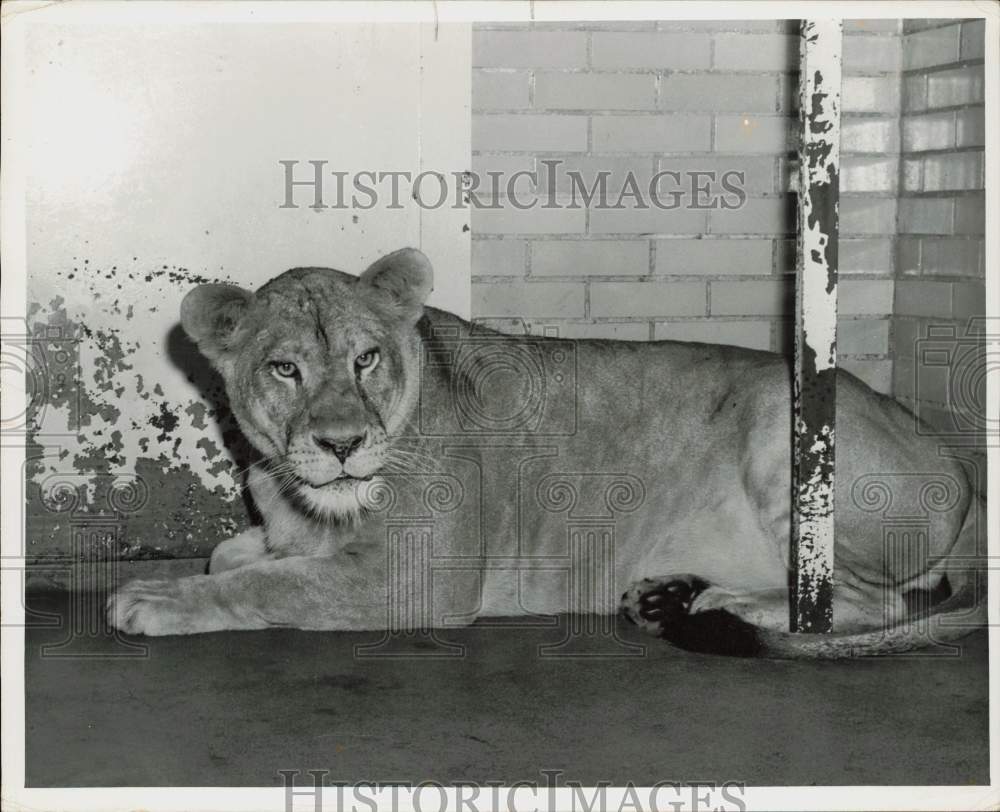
[(367, 360), (285, 369)]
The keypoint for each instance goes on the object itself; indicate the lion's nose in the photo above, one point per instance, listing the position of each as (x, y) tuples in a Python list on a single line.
[(340, 447)]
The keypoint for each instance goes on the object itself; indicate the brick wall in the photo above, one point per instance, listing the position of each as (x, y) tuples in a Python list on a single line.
[(681, 96), (940, 262)]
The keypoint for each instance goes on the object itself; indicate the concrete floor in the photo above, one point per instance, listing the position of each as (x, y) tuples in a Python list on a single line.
[(231, 709)]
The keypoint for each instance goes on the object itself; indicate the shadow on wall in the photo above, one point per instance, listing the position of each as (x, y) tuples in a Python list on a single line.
[(185, 355)]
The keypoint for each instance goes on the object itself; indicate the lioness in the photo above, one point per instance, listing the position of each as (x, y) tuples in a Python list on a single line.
[(414, 471)]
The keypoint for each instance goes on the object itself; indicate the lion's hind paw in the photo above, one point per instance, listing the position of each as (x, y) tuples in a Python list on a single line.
[(656, 603), (662, 607)]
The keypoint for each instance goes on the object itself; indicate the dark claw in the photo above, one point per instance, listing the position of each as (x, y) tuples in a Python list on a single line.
[(668, 602), (666, 606)]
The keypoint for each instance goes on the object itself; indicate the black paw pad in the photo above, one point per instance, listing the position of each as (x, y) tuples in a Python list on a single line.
[(667, 601), (663, 608), (654, 604)]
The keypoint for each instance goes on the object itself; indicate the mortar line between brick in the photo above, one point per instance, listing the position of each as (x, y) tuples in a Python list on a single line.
[(930, 70), (942, 151), (945, 22), (916, 112)]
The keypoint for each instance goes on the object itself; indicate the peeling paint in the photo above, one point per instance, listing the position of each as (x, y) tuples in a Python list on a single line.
[(815, 388), (126, 396)]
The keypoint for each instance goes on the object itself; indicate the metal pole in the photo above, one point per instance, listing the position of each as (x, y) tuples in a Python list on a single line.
[(815, 392)]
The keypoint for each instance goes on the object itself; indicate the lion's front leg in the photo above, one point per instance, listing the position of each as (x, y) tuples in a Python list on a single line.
[(172, 606), (302, 592), (240, 550)]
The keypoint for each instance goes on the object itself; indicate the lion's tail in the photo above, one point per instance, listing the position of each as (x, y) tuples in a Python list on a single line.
[(717, 631), (961, 612), (952, 619)]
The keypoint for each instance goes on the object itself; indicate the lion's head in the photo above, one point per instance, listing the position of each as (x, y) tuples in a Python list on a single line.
[(321, 369)]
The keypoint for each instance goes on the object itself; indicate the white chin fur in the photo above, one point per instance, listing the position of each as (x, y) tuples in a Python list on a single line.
[(341, 500)]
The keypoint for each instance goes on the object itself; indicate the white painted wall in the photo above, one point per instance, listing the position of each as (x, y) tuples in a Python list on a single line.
[(154, 145)]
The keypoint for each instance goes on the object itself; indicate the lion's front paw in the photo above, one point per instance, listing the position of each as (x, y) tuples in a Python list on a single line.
[(160, 607)]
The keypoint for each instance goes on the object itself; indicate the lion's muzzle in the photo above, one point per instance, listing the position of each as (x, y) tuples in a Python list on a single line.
[(341, 446)]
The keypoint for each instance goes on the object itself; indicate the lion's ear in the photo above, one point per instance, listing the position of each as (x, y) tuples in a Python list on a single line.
[(210, 315), (405, 276)]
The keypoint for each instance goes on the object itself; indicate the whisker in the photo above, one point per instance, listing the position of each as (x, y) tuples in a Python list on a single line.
[(412, 464), (285, 487), (268, 475), (263, 462), (405, 452)]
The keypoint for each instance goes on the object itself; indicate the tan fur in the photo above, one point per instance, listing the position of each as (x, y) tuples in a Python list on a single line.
[(674, 457)]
